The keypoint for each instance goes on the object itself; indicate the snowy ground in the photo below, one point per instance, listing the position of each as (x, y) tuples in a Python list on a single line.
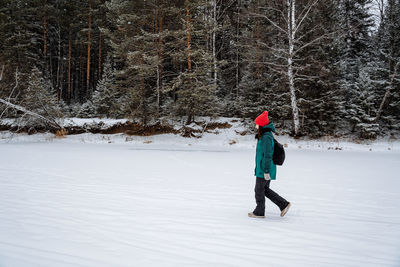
[(93, 200)]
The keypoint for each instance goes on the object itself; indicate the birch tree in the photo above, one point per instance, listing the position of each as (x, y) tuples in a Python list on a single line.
[(290, 23)]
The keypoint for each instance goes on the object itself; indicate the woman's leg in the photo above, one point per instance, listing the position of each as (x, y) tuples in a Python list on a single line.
[(274, 197), (260, 198)]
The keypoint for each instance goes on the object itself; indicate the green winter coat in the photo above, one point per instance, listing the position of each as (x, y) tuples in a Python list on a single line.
[(264, 152)]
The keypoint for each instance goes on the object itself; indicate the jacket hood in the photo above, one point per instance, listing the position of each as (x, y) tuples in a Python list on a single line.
[(267, 128), (270, 126)]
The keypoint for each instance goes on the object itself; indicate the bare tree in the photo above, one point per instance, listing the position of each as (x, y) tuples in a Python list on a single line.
[(49, 121), (289, 54)]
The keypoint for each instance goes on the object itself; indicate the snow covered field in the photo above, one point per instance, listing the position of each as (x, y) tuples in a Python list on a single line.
[(169, 203)]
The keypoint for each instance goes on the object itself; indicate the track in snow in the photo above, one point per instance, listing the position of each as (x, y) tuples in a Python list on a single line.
[(97, 205)]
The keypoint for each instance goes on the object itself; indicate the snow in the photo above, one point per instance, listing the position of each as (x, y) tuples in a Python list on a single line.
[(67, 122), (81, 122), (97, 200)]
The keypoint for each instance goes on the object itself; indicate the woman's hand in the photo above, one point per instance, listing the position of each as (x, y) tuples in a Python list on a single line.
[(266, 176)]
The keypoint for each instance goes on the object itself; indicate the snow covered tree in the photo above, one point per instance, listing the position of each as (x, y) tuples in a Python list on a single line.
[(105, 96), (291, 49), (20, 39), (387, 58), (39, 97), (137, 64), (260, 86), (318, 66), (193, 88), (354, 64), (86, 110)]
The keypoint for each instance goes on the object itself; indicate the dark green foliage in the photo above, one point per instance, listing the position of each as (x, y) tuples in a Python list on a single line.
[(342, 72), (105, 98)]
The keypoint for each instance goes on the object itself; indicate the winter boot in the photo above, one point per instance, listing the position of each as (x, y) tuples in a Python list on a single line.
[(252, 215), (285, 210)]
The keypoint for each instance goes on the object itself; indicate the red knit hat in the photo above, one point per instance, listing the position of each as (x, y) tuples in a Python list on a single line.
[(262, 120)]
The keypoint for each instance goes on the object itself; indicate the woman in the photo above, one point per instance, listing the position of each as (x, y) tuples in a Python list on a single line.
[(265, 170)]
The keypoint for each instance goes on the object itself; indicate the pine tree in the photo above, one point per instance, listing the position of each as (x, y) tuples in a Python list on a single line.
[(386, 57), (21, 38), (105, 98), (136, 59), (193, 87), (20, 41), (86, 110), (356, 54), (39, 97)]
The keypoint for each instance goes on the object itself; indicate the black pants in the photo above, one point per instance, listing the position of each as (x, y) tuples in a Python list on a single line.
[(262, 190)]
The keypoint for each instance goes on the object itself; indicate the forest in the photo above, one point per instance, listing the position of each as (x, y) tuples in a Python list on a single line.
[(319, 67)]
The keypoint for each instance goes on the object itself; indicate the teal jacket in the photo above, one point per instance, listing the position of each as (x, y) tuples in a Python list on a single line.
[(264, 152)]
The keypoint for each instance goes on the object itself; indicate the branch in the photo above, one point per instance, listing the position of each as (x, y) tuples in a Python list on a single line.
[(222, 13), (2, 72), (12, 91), (305, 15), (280, 12), (33, 114), (310, 78), (312, 42), (297, 40), (267, 63), (280, 50), (269, 20), (16, 84)]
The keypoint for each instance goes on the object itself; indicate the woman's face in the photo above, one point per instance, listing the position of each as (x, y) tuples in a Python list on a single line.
[(257, 126)]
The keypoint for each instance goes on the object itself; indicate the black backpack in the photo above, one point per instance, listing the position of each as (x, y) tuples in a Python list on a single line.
[(279, 153)]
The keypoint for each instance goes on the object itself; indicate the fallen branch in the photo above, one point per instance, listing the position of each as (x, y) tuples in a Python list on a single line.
[(52, 123)]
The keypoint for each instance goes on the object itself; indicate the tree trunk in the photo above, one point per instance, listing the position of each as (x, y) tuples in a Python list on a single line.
[(88, 48), (291, 38), (44, 31), (69, 63), (188, 37), (237, 48), (82, 71), (143, 96), (2, 72), (214, 3), (258, 52), (190, 116), (100, 52), (160, 58), (59, 65), (387, 93)]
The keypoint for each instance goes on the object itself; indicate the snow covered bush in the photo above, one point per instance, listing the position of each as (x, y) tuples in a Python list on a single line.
[(39, 97), (87, 110)]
